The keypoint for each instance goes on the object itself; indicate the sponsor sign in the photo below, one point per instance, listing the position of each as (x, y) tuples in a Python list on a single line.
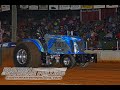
[(64, 7), (33, 7), (43, 7), (75, 7), (99, 6), (5, 7), (53, 7), (86, 6), (111, 6), (24, 6)]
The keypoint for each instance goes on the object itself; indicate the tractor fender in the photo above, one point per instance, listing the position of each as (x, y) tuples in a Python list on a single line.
[(36, 42)]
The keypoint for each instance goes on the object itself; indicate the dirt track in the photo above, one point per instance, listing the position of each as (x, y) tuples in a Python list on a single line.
[(94, 74)]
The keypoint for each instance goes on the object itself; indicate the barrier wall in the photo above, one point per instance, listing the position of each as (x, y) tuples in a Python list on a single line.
[(7, 53), (102, 55), (106, 55)]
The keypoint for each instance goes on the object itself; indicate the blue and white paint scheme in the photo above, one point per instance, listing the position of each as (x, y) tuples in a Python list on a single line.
[(59, 44), (70, 46), (7, 44)]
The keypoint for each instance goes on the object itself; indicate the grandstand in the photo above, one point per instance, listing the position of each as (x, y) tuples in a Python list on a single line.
[(98, 26)]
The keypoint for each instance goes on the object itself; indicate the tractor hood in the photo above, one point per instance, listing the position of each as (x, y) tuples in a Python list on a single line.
[(63, 44), (64, 37)]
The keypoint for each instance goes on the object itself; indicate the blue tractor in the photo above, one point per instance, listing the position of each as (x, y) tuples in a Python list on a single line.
[(52, 50)]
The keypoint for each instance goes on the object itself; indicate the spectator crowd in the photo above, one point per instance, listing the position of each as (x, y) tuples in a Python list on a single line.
[(65, 23)]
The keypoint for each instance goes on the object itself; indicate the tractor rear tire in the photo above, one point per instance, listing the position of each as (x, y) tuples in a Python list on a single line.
[(26, 54)]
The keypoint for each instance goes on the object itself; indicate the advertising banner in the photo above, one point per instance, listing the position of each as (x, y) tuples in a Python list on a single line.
[(5, 7), (86, 6), (64, 7), (111, 6), (23, 6), (99, 6), (43, 7), (75, 7), (53, 7), (33, 7)]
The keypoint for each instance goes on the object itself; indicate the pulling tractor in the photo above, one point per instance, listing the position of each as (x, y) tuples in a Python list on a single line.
[(52, 50)]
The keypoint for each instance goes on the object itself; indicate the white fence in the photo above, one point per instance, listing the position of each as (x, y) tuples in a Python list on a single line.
[(106, 55)]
